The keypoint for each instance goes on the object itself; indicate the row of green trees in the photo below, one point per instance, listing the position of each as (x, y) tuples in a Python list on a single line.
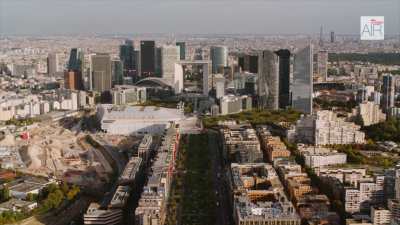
[(354, 156), (255, 117), (386, 131), (54, 195), (50, 198), (192, 199), (372, 57), (21, 122), (328, 105)]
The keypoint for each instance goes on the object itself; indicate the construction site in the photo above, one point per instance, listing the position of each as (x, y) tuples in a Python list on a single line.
[(80, 158)]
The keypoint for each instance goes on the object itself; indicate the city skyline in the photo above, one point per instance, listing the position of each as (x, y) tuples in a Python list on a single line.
[(102, 17)]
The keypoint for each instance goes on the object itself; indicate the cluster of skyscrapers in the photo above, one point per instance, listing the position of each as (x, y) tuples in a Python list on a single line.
[(284, 78), (279, 87)]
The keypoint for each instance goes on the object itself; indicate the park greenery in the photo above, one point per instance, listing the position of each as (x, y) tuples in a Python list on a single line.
[(192, 198), (354, 155), (52, 197), (256, 117), (21, 122), (159, 103), (372, 57), (385, 131), (329, 105), (4, 194)]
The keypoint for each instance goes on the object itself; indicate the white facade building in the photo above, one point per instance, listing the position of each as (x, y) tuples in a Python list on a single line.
[(324, 127), (230, 104), (370, 113), (126, 94), (380, 216), (319, 157), (366, 194), (126, 120)]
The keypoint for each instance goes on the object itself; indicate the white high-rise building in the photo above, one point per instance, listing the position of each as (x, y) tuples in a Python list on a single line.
[(219, 86), (322, 64), (52, 64), (370, 113), (170, 54)]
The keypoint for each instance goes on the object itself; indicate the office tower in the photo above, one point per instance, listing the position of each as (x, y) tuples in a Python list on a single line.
[(302, 87), (332, 37), (268, 80), (170, 54), (387, 92), (52, 64), (117, 71), (284, 78), (322, 64), (127, 56), (101, 72), (157, 63), (219, 87), (252, 63), (182, 50), (73, 80), (219, 58), (147, 58), (76, 60), (138, 65), (198, 54), (241, 59), (249, 63)]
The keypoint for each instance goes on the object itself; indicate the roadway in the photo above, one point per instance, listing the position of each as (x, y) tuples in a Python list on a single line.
[(223, 208), (112, 152)]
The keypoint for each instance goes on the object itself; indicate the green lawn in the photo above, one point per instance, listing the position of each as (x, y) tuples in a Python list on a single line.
[(193, 195)]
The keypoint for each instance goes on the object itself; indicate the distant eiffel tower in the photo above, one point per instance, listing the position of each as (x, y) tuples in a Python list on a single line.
[(321, 39)]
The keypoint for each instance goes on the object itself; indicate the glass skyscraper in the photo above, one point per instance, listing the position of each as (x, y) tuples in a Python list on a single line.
[(147, 57), (117, 71), (387, 92), (157, 62), (302, 87), (127, 56), (219, 58), (284, 78), (76, 60), (268, 80), (182, 50)]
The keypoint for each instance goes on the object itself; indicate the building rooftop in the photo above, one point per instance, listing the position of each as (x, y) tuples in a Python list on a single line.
[(120, 197), (131, 169), (112, 112)]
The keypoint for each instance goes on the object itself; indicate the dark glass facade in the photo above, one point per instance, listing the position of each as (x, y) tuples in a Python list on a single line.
[(284, 78), (147, 57), (182, 49)]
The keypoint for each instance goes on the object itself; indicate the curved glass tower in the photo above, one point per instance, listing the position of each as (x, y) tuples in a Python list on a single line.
[(219, 57)]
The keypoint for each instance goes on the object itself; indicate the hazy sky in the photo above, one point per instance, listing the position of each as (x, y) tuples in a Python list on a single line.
[(55, 17)]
